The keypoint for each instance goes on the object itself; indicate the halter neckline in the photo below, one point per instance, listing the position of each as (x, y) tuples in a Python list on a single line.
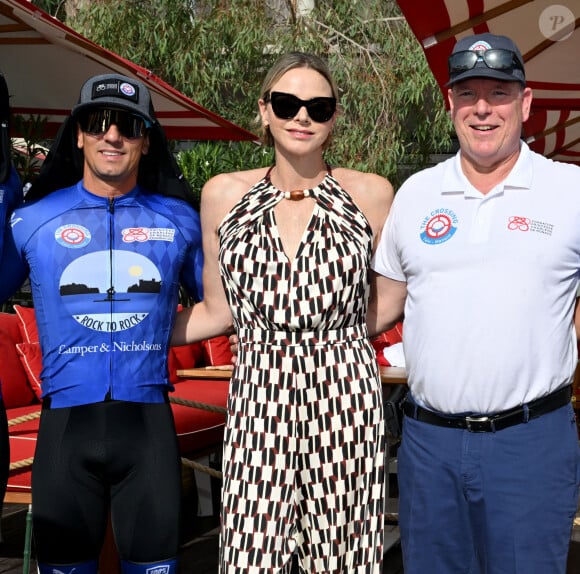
[(295, 194)]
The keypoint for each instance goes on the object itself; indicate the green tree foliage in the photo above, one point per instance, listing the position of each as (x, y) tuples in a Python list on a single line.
[(217, 52), (55, 8), (29, 151), (207, 159)]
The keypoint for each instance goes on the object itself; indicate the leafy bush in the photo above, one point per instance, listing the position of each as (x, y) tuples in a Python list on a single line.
[(206, 159)]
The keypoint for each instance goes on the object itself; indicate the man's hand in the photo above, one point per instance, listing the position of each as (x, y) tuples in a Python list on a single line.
[(234, 347)]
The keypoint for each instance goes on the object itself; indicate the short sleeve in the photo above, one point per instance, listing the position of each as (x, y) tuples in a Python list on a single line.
[(191, 275), (386, 260)]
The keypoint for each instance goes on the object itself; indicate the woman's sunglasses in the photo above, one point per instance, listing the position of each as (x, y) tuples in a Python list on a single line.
[(496, 59), (98, 121), (286, 106)]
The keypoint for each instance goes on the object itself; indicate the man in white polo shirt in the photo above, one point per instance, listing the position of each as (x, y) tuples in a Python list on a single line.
[(482, 254)]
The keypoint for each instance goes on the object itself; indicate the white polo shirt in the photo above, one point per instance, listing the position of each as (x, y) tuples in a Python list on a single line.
[(491, 280)]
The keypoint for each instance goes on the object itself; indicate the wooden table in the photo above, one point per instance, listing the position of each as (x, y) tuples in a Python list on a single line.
[(221, 373), (389, 375), (393, 375)]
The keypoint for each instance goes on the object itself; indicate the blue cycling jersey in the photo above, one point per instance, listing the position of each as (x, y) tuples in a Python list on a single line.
[(10, 197), (105, 276)]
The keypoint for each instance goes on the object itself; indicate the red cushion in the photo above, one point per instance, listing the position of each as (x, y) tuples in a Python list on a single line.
[(390, 337), (198, 429), (28, 326), (386, 339), (22, 446), (10, 325), (31, 359), (183, 357), (216, 351), (16, 391)]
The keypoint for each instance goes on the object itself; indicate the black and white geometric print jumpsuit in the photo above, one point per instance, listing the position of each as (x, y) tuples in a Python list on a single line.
[(304, 444)]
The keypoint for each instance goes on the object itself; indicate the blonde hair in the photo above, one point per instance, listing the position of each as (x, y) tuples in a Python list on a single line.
[(284, 64)]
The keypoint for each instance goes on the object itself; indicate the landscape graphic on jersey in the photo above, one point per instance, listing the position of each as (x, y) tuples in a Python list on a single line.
[(125, 283)]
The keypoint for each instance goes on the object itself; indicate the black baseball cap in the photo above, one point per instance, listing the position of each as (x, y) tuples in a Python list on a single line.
[(480, 43)]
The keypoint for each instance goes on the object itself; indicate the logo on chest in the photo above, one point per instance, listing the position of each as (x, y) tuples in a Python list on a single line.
[(73, 236), (525, 224), (439, 226), (142, 234)]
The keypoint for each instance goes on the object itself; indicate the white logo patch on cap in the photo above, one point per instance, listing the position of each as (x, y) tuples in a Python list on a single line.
[(479, 46)]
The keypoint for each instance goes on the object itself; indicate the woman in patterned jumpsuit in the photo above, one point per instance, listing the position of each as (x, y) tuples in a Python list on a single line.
[(287, 252)]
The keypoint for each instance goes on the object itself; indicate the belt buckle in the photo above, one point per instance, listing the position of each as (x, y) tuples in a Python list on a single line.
[(474, 424)]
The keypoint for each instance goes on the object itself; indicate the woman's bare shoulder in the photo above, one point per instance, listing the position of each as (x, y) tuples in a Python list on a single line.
[(235, 181), (371, 192), (223, 191), (230, 187), (356, 182)]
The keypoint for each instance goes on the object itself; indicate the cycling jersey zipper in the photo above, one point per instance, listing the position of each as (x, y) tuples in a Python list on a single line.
[(111, 291)]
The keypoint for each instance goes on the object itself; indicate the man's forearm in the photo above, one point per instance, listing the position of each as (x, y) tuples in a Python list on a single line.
[(386, 303)]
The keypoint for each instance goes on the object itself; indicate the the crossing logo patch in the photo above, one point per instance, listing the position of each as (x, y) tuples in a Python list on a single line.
[(439, 226), (73, 236)]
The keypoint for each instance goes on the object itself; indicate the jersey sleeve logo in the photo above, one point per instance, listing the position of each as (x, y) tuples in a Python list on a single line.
[(14, 219)]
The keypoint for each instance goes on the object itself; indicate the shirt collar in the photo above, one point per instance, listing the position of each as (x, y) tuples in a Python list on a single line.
[(520, 177)]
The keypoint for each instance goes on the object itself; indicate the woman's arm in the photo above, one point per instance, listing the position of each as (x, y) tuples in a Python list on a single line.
[(212, 316)]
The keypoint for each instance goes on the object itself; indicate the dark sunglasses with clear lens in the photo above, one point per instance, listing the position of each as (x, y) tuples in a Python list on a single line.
[(496, 59), (98, 121), (286, 106)]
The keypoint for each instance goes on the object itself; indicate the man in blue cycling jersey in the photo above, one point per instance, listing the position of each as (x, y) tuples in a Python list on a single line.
[(10, 197), (107, 235)]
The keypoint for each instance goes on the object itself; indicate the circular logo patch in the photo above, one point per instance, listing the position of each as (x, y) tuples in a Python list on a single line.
[(72, 236), (480, 46), (127, 89), (439, 226)]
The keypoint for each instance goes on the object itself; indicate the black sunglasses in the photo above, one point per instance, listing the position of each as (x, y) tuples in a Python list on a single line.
[(496, 59), (286, 106), (98, 121)]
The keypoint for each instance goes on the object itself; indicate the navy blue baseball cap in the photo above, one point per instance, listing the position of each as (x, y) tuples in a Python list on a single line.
[(486, 56)]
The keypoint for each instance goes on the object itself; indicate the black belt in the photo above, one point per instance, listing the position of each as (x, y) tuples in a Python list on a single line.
[(492, 423)]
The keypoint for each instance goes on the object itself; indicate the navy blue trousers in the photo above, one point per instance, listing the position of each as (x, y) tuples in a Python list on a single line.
[(489, 503)]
